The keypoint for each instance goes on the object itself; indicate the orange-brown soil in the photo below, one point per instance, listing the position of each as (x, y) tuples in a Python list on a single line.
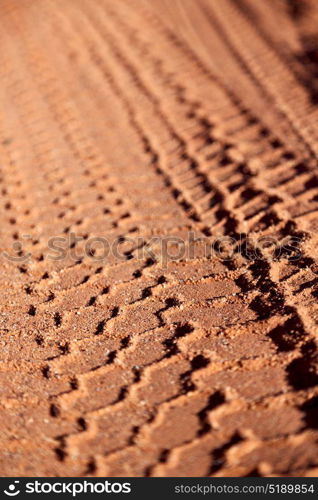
[(131, 121)]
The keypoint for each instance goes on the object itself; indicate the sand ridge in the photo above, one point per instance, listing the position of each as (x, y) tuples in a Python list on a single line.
[(143, 123)]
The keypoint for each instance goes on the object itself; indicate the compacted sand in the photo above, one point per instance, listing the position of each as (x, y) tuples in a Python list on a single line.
[(140, 123)]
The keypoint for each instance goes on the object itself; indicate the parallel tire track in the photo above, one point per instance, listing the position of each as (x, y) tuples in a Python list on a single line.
[(129, 130)]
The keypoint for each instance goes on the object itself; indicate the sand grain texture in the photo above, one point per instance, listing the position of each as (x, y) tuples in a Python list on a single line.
[(129, 120)]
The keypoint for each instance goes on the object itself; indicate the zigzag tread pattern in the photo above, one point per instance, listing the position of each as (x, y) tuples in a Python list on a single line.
[(142, 123)]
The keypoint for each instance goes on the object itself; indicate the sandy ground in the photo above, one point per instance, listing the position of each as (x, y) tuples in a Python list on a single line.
[(127, 126)]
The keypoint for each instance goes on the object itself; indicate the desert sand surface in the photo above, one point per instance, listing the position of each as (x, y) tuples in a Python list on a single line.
[(127, 126)]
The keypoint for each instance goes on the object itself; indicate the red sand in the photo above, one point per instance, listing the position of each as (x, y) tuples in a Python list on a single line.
[(133, 120)]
